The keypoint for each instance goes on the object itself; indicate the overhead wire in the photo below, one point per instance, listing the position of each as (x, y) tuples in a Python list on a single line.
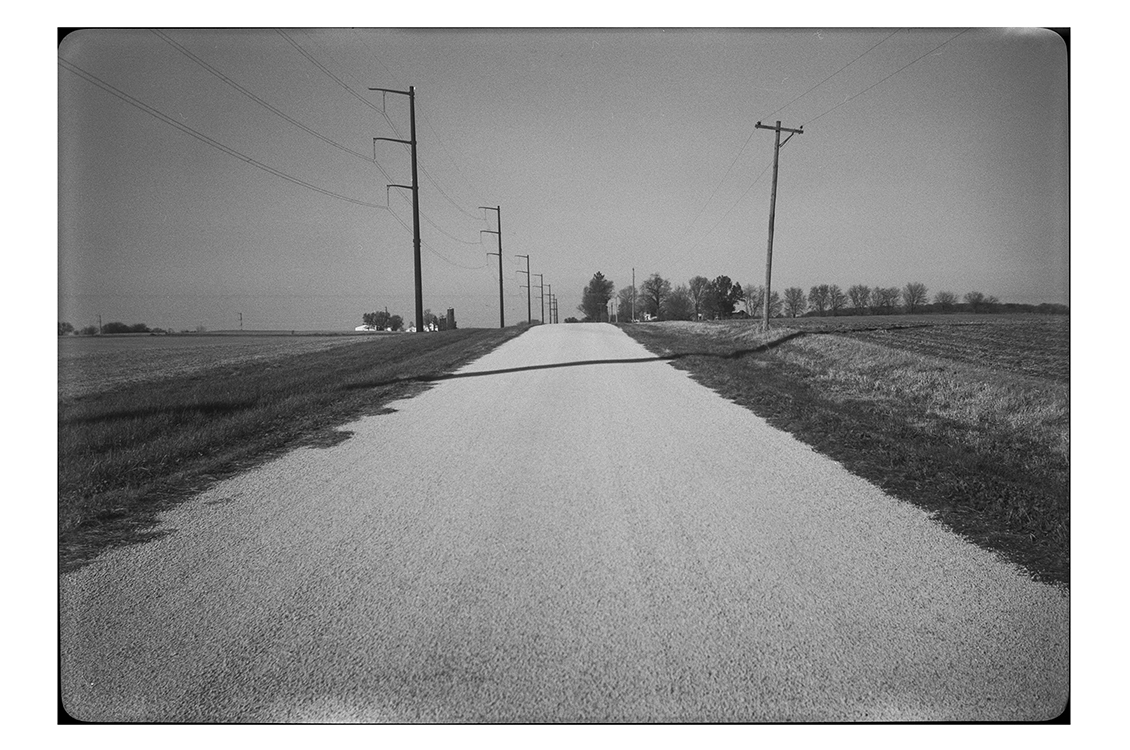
[(809, 91), (904, 67), (424, 118), (747, 141), (218, 74), (808, 122), (731, 208), (396, 131), (91, 78)]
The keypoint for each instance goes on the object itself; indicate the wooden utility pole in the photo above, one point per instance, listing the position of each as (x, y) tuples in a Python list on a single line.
[(541, 293), (415, 188), (550, 295), (501, 301), (529, 291), (773, 209), (633, 295)]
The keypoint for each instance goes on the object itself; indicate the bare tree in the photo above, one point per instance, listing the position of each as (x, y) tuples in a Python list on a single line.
[(975, 300), (860, 295), (775, 304), (885, 299), (654, 290), (945, 301), (818, 298), (836, 299), (624, 299), (755, 301), (678, 305), (698, 287), (794, 301), (914, 296)]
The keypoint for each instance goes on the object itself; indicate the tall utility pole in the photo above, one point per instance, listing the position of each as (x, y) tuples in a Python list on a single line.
[(501, 302), (633, 295), (415, 188), (773, 208), (541, 293), (550, 295), (529, 291)]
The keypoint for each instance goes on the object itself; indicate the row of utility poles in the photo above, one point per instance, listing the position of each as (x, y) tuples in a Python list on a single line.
[(527, 286), (415, 188)]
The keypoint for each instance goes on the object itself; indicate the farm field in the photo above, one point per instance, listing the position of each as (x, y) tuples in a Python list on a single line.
[(966, 416), (1033, 345), (89, 364)]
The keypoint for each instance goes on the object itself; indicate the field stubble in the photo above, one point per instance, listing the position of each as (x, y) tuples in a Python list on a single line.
[(966, 418), (133, 442)]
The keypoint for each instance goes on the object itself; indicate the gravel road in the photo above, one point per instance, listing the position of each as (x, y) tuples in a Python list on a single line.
[(601, 542)]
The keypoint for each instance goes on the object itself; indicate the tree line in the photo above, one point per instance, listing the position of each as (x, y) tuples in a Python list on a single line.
[(382, 320), (66, 329), (721, 297)]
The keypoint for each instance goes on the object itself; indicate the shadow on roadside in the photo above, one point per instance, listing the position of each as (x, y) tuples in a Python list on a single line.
[(737, 354)]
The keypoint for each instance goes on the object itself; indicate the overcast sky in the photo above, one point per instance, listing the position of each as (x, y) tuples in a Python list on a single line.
[(607, 150)]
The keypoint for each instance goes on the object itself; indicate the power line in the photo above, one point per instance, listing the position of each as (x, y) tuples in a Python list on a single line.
[(328, 72), (384, 114), (252, 95), (91, 78), (423, 116), (904, 67), (731, 208), (432, 250), (806, 93), (747, 141), (212, 142), (423, 165)]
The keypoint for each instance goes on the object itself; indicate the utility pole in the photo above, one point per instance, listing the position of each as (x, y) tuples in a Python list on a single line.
[(773, 207), (529, 291), (415, 188), (541, 294), (241, 321), (633, 295), (550, 295), (501, 302)]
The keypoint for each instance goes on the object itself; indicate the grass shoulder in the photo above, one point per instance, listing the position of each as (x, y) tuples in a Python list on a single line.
[(968, 422), (128, 452)]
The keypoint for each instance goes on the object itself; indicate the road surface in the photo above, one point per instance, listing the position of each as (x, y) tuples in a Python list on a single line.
[(600, 542)]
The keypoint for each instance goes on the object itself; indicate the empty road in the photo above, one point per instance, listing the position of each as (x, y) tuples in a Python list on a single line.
[(600, 542)]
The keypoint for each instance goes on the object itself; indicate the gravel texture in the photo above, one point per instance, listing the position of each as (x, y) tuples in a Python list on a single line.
[(603, 542)]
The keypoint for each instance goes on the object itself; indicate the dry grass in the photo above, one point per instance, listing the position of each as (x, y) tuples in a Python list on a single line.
[(982, 444), (126, 452)]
